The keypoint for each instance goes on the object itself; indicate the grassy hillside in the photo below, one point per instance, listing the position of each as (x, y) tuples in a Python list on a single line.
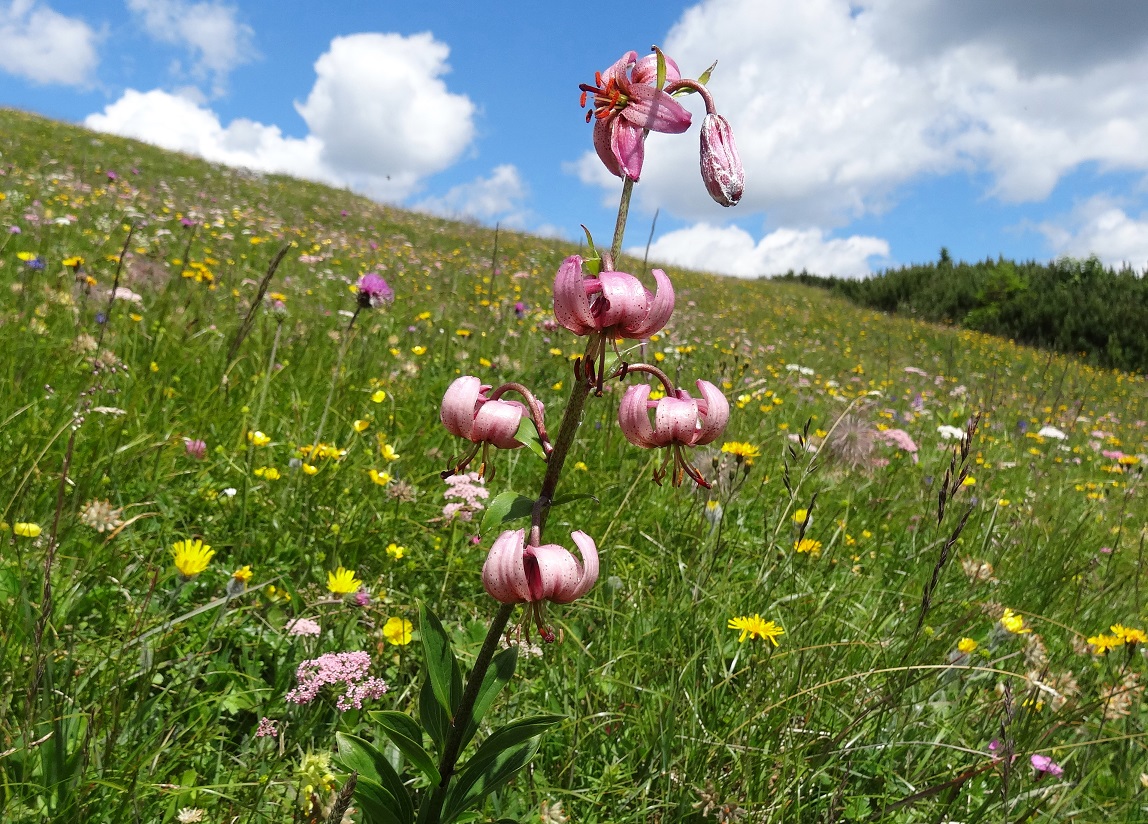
[(947, 613)]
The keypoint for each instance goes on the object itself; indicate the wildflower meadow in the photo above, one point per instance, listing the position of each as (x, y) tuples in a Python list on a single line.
[(316, 510)]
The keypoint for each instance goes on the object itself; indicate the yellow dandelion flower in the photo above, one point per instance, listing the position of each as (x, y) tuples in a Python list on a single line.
[(243, 574), (396, 551), (808, 545), (966, 645), (381, 478), (258, 438), (191, 557), (342, 581), (398, 631), (1014, 623), (1129, 635), (741, 451), (1101, 643), (26, 530), (756, 627)]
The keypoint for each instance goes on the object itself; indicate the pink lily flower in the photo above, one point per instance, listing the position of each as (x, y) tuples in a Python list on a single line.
[(516, 574), (613, 302), (678, 422), (467, 413), (627, 103), (722, 171)]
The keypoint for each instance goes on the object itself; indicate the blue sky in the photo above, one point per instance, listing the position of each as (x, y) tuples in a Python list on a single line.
[(873, 132)]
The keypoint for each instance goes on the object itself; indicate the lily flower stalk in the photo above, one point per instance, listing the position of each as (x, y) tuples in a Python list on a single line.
[(468, 411), (609, 306), (515, 573), (679, 421), (627, 104)]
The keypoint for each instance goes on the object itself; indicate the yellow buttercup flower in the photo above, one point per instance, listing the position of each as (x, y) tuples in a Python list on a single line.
[(1014, 623), (396, 551), (754, 626), (360, 425), (379, 396), (191, 557), (389, 453), (966, 645), (25, 530), (381, 478), (309, 469), (343, 581), (398, 631)]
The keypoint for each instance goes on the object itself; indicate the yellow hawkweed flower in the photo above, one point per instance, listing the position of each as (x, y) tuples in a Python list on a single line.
[(25, 530), (741, 451), (756, 627), (1101, 643), (1129, 635), (966, 645), (1014, 623), (808, 545), (191, 557), (398, 631), (243, 574), (343, 581), (73, 261)]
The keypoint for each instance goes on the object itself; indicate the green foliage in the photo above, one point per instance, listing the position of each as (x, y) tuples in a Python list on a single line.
[(1069, 305), (129, 693)]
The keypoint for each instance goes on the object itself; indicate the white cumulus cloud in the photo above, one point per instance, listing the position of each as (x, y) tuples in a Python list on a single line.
[(835, 106), (44, 46), (1100, 226), (496, 197), (730, 250), (380, 119), (210, 31)]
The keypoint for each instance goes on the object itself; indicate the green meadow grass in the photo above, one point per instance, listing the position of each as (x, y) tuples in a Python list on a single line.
[(129, 694)]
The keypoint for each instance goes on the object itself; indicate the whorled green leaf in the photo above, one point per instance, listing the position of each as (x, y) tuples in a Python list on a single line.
[(661, 68), (506, 506), (407, 735), (375, 802), (441, 665), (528, 436), (498, 676), (705, 76), (432, 715), (500, 756), (378, 781)]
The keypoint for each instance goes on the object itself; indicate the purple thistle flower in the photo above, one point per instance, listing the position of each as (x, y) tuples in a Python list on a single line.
[(374, 291)]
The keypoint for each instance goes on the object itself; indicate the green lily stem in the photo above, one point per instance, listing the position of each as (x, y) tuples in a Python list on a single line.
[(432, 809)]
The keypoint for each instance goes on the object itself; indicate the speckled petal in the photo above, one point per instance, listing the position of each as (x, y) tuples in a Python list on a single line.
[(571, 303), (661, 306), (634, 417), (497, 422), (714, 412), (676, 420), (625, 302), (551, 572), (459, 406), (503, 574), (589, 552)]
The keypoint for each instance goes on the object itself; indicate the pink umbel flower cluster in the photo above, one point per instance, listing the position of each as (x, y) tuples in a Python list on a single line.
[(345, 670), (469, 491)]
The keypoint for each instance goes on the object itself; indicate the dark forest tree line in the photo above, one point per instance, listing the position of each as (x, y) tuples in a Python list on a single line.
[(1074, 306)]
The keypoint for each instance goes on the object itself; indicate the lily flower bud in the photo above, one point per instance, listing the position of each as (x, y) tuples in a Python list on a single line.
[(722, 171)]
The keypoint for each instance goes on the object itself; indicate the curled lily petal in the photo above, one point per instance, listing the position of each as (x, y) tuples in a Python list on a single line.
[(661, 306), (459, 405), (655, 110), (571, 302), (551, 572), (713, 409), (623, 300), (634, 417), (628, 146), (646, 70), (497, 422), (589, 552), (605, 147), (503, 574), (676, 420)]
